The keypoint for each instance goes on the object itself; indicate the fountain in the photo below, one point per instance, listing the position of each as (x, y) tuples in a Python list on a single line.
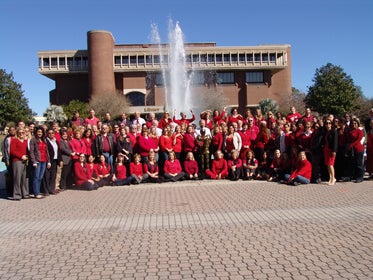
[(174, 72)]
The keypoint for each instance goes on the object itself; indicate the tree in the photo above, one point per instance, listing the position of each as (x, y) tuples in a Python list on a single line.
[(54, 113), (333, 91), (13, 104), (114, 103), (75, 106), (296, 100), (267, 105)]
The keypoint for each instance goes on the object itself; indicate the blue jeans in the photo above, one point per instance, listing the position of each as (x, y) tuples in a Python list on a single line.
[(298, 179), (38, 176)]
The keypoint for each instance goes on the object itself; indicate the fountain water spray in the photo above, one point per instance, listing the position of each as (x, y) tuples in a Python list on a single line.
[(174, 71)]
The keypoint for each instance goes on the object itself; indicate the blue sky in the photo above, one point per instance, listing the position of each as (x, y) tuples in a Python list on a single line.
[(319, 31)]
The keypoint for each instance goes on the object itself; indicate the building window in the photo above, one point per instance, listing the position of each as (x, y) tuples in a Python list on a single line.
[(249, 57), (242, 57), (159, 81), (125, 60), (140, 59), (117, 60), (226, 58), (149, 59), (225, 78), (272, 57), (254, 77), (219, 58), (265, 57), (133, 60), (257, 57), (136, 98), (210, 57), (156, 59), (195, 58), (234, 57), (197, 78), (61, 61)]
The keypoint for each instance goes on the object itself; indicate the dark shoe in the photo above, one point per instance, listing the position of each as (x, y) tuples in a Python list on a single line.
[(296, 183), (26, 197), (359, 180), (14, 199)]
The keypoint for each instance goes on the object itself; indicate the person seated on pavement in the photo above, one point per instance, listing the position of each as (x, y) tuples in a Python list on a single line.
[(302, 172)]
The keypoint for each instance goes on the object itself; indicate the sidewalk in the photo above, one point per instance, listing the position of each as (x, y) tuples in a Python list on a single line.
[(192, 230)]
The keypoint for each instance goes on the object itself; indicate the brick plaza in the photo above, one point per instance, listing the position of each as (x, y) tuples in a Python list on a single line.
[(192, 230)]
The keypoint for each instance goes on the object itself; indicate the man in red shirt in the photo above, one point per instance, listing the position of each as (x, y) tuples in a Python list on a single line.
[(293, 116)]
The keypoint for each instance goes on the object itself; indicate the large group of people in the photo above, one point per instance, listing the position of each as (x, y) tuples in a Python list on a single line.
[(90, 153)]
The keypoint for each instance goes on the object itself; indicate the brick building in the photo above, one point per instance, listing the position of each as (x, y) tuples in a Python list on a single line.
[(245, 74)]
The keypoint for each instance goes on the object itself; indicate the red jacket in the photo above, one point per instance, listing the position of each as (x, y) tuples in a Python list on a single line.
[(172, 166), (190, 167), (354, 137), (302, 168), (81, 173)]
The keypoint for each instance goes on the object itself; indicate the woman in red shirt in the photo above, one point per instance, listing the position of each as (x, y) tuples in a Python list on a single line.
[(18, 154), (136, 170), (191, 167), (39, 157), (177, 141), (219, 167), (172, 168), (120, 176), (302, 173), (354, 159), (83, 175), (103, 171)]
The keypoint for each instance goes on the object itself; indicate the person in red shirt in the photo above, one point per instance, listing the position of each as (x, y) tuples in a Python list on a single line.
[(18, 154), (136, 170), (250, 166), (177, 141), (354, 159), (83, 175), (216, 140), (183, 121), (77, 145), (165, 121), (144, 144), (219, 118), (39, 157), (219, 167), (234, 166), (151, 169), (191, 167), (103, 171), (293, 116), (302, 173), (308, 117), (120, 175), (172, 168), (91, 119)]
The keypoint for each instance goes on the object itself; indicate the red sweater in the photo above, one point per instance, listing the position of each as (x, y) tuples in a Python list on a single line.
[(81, 173), (172, 166), (219, 166), (165, 142), (102, 169), (302, 168), (189, 143), (144, 145), (354, 137), (136, 169), (18, 149), (121, 171), (190, 167)]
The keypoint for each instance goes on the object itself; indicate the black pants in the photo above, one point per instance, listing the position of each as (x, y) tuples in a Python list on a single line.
[(49, 180)]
